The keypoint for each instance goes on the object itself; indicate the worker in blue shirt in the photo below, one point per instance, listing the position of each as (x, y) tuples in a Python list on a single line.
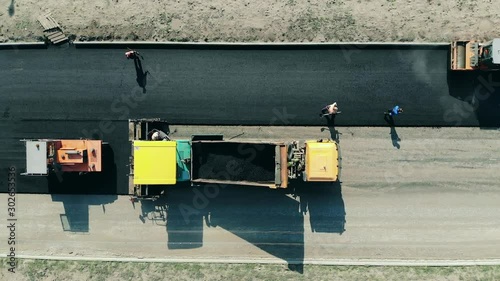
[(394, 111)]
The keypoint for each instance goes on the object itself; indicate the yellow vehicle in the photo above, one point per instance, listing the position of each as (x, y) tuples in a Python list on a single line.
[(472, 55), (209, 159)]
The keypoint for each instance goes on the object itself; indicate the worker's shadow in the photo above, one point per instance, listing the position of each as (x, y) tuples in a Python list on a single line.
[(330, 123), (394, 135), (141, 75)]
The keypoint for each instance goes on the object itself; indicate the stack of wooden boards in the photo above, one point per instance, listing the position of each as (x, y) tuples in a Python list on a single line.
[(52, 29)]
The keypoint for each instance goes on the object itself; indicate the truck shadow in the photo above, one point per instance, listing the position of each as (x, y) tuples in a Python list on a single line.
[(266, 218), (94, 188), (480, 92), (324, 204), (272, 220)]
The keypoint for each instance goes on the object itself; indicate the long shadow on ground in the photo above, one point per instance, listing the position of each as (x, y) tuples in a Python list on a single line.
[(272, 220)]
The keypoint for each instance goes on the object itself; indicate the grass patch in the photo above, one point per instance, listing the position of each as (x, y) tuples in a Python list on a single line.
[(75, 270)]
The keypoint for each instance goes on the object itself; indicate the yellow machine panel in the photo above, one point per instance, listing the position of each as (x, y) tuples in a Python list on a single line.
[(155, 162), (322, 161)]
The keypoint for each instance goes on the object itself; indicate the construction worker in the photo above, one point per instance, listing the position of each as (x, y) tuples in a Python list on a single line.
[(159, 135), (131, 54), (394, 111), (330, 109)]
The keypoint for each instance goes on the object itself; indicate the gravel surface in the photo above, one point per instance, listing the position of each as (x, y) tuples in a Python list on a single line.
[(263, 21)]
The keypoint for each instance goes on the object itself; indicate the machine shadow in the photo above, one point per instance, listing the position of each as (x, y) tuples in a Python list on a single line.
[(268, 219), (175, 210), (272, 220), (325, 205), (78, 192), (185, 217), (480, 91)]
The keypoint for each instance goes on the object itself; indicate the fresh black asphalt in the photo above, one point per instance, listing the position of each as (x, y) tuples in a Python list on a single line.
[(68, 92)]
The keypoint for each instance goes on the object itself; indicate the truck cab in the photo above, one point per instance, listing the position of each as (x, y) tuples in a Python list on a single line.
[(322, 161)]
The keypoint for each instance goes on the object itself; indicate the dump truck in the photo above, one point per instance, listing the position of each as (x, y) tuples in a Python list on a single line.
[(209, 159), (44, 156), (259, 163), (467, 55)]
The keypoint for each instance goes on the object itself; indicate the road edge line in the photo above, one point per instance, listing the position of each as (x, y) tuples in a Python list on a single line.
[(333, 262), (23, 45)]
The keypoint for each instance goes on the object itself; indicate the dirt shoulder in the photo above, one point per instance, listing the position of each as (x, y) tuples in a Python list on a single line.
[(72, 270), (261, 21)]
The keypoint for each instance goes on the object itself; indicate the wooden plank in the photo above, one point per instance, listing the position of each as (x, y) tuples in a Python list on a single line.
[(52, 31), (58, 37), (53, 22), (45, 23), (52, 34), (52, 38), (48, 22), (59, 41), (55, 35)]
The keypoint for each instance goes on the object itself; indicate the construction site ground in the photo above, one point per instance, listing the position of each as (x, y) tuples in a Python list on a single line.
[(409, 193), (247, 21)]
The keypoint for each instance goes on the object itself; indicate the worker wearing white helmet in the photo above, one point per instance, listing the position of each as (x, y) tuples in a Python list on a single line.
[(330, 109), (159, 135), (155, 136)]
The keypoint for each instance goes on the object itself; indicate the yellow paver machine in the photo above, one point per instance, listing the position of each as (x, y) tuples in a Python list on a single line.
[(158, 161)]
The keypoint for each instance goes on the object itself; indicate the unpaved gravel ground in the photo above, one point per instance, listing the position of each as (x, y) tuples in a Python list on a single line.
[(262, 21)]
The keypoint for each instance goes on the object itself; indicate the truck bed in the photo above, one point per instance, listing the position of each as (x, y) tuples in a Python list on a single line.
[(233, 162)]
